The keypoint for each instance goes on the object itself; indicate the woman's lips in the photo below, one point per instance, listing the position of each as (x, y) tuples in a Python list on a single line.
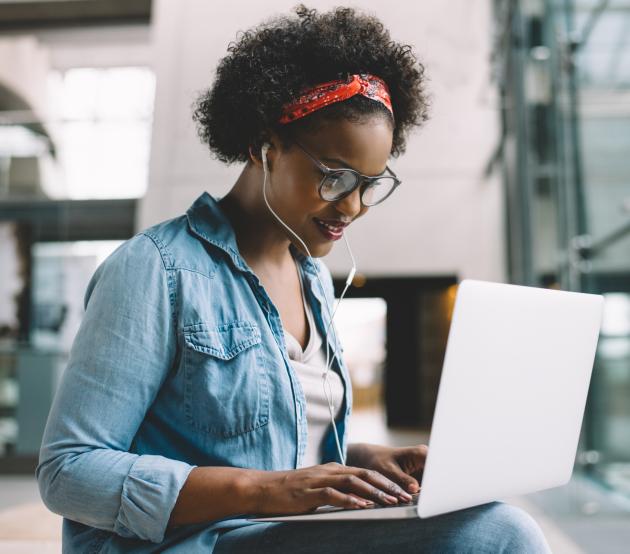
[(332, 230)]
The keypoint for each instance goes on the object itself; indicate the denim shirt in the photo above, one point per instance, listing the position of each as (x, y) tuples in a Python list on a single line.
[(180, 361)]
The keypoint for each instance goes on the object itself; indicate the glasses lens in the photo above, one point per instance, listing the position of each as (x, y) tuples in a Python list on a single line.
[(378, 190), (337, 184)]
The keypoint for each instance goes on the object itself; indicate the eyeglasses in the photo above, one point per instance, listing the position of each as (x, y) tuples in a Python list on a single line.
[(339, 183)]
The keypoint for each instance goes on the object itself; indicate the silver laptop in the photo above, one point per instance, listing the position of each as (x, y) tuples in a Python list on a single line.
[(510, 404)]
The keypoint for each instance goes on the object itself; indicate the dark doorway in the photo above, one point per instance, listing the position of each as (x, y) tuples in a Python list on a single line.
[(417, 323)]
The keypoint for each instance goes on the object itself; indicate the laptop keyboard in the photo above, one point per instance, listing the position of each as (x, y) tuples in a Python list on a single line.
[(372, 506)]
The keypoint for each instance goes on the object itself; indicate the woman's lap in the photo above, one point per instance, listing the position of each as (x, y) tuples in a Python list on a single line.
[(493, 528)]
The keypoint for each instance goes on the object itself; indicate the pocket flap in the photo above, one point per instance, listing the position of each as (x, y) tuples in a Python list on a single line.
[(225, 341)]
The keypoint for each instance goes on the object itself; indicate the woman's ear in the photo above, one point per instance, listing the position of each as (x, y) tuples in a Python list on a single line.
[(256, 157)]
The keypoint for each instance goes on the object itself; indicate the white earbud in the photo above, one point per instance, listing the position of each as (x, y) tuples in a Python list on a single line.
[(331, 313), (263, 155)]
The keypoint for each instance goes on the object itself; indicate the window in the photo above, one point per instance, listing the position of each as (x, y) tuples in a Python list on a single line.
[(101, 128)]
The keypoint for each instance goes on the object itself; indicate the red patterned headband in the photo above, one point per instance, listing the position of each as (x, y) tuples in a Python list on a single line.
[(322, 95)]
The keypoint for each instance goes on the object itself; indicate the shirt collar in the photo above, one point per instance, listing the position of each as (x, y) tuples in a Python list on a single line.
[(208, 222)]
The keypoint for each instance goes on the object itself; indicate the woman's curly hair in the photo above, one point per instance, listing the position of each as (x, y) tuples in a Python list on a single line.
[(274, 62)]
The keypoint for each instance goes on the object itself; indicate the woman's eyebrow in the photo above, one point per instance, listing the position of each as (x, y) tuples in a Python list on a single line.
[(347, 165), (340, 161)]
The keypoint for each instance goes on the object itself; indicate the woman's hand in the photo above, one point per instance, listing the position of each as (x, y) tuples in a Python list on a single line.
[(303, 490), (401, 465)]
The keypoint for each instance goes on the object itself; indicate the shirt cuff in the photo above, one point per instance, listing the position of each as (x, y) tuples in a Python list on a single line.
[(148, 497)]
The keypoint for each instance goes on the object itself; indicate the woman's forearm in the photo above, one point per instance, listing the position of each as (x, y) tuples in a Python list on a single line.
[(212, 493)]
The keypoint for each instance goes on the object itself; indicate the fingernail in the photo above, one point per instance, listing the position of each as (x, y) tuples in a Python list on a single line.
[(391, 499), (405, 495)]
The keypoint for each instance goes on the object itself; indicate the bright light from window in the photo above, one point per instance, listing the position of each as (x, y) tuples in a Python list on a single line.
[(616, 318), (104, 131), (361, 323)]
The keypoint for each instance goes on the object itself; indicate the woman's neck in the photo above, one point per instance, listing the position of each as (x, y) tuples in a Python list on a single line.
[(260, 238)]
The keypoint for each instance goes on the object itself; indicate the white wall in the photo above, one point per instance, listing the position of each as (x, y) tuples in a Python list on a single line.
[(111, 46), (445, 219), (24, 69)]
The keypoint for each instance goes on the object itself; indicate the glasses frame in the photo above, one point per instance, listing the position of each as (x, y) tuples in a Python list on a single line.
[(360, 179)]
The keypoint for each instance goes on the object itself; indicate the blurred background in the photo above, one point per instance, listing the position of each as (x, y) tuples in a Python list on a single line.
[(522, 175)]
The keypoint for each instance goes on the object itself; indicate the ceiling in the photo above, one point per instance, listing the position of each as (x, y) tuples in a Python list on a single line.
[(26, 14)]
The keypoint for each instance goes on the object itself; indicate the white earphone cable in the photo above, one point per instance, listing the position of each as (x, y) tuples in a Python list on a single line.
[(326, 383)]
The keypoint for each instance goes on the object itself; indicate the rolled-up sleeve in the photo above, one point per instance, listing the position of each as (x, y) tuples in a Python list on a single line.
[(120, 358)]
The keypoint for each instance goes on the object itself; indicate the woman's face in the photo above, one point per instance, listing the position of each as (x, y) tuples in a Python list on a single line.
[(292, 189)]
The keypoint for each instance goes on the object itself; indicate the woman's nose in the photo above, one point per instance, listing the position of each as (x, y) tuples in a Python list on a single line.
[(350, 205)]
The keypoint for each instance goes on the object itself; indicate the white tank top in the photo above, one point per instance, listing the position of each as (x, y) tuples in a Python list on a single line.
[(309, 364)]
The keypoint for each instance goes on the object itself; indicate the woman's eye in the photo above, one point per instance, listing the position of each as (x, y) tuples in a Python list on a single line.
[(336, 178)]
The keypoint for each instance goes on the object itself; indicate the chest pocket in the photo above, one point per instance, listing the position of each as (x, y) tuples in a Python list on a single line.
[(226, 378)]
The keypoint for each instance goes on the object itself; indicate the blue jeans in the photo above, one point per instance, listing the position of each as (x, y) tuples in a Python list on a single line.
[(492, 528)]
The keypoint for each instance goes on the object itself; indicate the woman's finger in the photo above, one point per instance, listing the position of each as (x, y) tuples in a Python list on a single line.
[(378, 480), (375, 478), (331, 496), (406, 481), (411, 458), (381, 481), (350, 483)]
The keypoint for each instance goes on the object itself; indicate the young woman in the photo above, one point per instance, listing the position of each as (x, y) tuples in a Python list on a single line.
[(194, 392)]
